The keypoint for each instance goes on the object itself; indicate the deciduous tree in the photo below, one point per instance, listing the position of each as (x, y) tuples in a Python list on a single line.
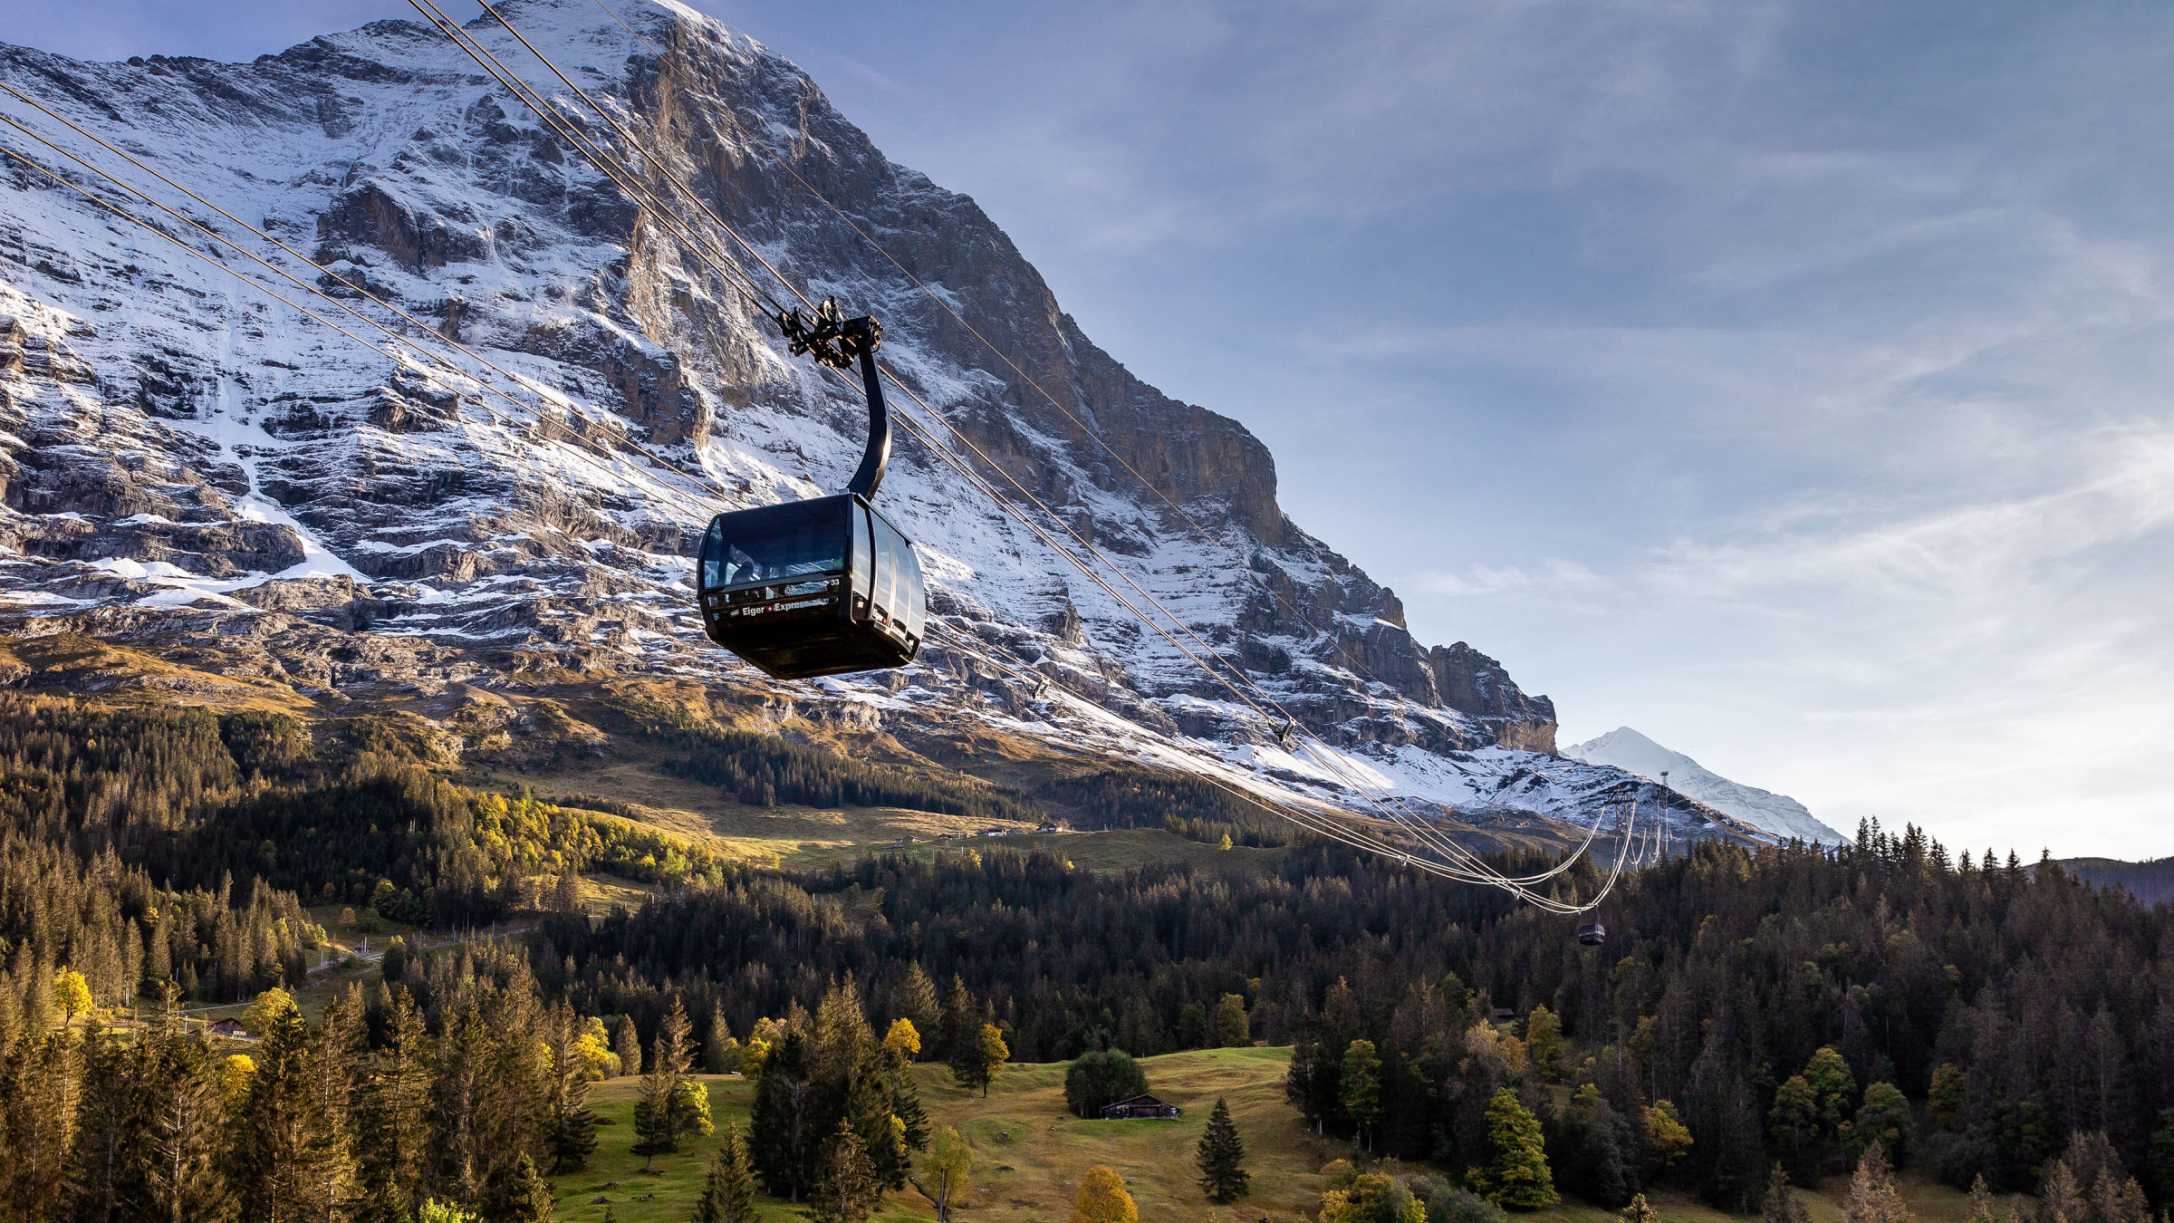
[(1359, 1087), (946, 1172), (1103, 1198)]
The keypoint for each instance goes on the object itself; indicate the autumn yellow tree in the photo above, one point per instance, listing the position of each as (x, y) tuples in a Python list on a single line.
[(903, 1039), (267, 1010), (72, 994), (1102, 1198)]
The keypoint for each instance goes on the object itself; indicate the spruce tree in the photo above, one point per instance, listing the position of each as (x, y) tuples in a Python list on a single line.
[(1516, 1174), (394, 1111), (906, 1106), (1221, 1157), (334, 1069), (283, 1163), (1639, 1211), (670, 1105), (105, 1167), (627, 1043), (1778, 1205), (847, 1190), (1873, 1197), (783, 1140), (570, 1126), (918, 1004), (958, 1025), (520, 1194), (728, 1194), (183, 1179), (715, 1049)]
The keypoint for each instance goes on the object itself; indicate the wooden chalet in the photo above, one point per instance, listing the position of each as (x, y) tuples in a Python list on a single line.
[(229, 1029), (1136, 1107)]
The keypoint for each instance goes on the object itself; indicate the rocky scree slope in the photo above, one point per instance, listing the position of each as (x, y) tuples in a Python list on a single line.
[(182, 459)]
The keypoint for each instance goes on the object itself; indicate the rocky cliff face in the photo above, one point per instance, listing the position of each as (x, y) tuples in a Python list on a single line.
[(183, 459)]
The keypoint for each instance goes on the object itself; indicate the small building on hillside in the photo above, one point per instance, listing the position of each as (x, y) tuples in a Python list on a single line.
[(228, 1029), (1136, 1107)]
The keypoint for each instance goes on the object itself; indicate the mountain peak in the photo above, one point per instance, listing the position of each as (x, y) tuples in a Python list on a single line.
[(1777, 815), (303, 506)]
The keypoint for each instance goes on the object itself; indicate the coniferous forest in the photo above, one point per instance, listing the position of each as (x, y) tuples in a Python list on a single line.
[(1757, 1013)]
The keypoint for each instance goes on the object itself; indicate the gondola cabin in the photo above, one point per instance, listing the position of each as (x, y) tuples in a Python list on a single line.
[(809, 588), (1592, 934)]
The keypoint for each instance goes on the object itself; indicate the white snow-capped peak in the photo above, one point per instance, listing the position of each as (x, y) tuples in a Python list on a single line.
[(1775, 814)]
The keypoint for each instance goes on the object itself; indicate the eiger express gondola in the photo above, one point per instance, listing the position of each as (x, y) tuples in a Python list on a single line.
[(828, 585)]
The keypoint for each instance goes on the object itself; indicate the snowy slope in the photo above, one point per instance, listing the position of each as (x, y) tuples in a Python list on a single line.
[(1775, 814), (182, 458)]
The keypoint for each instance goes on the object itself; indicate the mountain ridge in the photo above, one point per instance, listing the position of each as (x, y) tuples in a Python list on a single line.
[(179, 459)]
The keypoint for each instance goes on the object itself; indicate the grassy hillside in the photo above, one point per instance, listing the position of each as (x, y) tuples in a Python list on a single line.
[(1032, 1152)]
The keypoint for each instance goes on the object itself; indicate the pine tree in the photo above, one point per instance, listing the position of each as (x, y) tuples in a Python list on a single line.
[(717, 1043), (958, 1024), (847, 1191), (1779, 1205), (783, 1139), (977, 1060), (519, 1195), (333, 1069), (1516, 1174), (2159, 1163), (671, 1105), (284, 1165), (906, 1106), (1873, 1197), (394, 1111), (1639, 1211), (570, 1126), (105, 1167), (627, 1043), (918, 1004), (1221, 1157), (728, 1195), (183, 1179), (2061, 1198)]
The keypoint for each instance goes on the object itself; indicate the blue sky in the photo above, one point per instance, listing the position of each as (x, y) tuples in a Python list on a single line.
[(1787, 380)]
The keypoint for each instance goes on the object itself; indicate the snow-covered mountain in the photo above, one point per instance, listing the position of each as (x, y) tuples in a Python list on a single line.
[(189, 467), (1777, 815)]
